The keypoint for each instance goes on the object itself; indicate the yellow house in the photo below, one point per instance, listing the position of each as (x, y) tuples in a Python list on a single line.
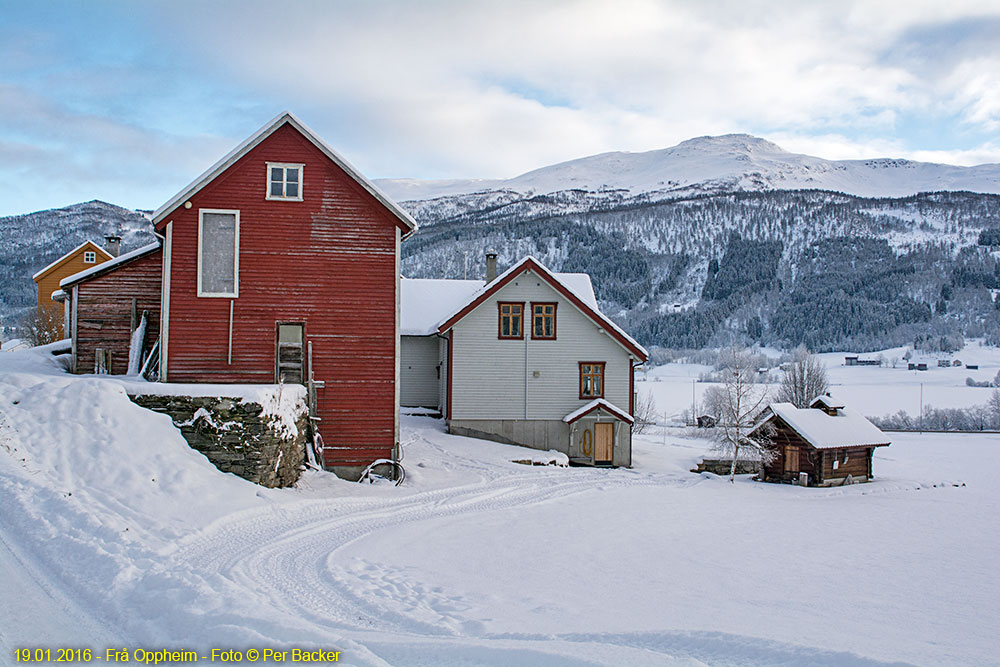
[(84, 256)]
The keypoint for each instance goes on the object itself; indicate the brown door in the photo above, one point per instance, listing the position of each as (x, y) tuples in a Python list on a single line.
[(791, 459), (604, 442)]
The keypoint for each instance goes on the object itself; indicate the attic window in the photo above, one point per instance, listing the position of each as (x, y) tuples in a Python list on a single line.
[(543, 320), (284, 181), (89, 257), (511, 323)]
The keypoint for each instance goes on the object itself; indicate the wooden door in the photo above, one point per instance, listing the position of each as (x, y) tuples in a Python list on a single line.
[(791, 458), (604, 442)]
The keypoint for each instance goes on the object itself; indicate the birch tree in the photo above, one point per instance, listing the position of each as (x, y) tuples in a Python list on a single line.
[(737, 404)]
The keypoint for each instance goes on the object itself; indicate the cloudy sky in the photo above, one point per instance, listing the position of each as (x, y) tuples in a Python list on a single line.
[(128, 101)]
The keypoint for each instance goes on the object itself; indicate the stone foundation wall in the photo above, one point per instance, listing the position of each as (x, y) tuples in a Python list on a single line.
[(235, 436), (722, 466)]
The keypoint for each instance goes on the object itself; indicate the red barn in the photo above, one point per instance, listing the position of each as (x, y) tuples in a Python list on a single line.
[(280, 258)]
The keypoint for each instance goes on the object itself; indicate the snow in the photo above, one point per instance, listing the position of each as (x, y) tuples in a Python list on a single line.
[(108, 265), (730, 162), (115, 534), (577, 283), (823, 431), (427, 303), (135, 347), (593, 405), (869, 390)]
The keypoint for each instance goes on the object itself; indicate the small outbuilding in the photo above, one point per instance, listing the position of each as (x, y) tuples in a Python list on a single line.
[(828, 443)]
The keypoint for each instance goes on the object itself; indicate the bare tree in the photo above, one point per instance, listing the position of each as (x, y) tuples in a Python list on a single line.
[(645, 412), (42, 326), (993, 405), (738, 403), (804, 379)]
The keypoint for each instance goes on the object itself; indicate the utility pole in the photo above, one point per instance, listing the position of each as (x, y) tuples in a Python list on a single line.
[(921, 408), (694, 413)]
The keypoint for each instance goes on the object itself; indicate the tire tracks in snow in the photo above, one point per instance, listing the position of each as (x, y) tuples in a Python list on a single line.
[(287, 555)]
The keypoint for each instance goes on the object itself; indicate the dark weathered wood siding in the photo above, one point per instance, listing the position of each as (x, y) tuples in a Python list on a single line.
[(857, 464), (104, 311), (328, 261), (818, 463), (783, 439)]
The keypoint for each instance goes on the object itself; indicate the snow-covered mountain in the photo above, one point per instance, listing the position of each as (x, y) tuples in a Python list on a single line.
[(731, 162)]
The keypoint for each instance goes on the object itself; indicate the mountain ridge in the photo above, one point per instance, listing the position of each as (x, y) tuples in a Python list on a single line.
[(730, 162)]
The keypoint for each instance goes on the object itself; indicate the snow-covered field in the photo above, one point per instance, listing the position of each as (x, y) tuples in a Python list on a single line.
[(113, 533), (872, 390)]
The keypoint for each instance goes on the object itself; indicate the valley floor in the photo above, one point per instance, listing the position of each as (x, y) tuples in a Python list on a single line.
[(113, 533)]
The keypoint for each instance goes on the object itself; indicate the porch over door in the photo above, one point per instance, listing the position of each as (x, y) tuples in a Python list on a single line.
[(604, 442)]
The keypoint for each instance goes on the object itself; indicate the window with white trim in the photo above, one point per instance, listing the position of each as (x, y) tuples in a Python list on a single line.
[(284, 181), (89, 257), (218, 252)]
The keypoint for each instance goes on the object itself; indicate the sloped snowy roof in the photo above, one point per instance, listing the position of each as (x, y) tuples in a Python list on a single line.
[(257, 137), (71, 252), (577, 285), (594, 405), (426, 303), (109, 265), (827, 400), (824, 431)]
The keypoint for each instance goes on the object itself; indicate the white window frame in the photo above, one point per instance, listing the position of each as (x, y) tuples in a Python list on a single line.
[(236, 254), (283, 166), (89, 257)]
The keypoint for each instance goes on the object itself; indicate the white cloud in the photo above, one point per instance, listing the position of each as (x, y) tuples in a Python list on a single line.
[(439, 89)]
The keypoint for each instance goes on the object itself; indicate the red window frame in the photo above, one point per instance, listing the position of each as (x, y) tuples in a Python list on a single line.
[(535, 316), (591, 369), (510, 316)]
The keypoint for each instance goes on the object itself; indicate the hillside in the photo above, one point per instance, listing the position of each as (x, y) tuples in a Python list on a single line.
[(780, 267), (32, 241)]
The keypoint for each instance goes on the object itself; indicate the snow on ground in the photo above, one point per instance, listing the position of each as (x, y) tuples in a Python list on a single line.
[(114, 533), (871, 390)]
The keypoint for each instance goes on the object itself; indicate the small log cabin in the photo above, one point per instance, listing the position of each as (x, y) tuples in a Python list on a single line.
[(831, 444)]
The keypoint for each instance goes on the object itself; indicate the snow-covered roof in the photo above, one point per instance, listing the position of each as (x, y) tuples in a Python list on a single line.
[(598, 403), (58, 295), (257, 137), (576, 285), (109, 265), (70, 253), (425, 303), (825, 431), (827, 400)]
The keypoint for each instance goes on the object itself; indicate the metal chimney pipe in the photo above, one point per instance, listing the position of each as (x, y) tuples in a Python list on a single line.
[(113, 244), (491, 266)]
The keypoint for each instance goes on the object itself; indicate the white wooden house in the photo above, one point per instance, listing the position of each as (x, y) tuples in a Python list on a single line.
[(524, 358)]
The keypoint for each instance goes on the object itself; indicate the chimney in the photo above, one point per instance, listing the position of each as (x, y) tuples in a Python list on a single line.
[(491, 266), (113, 244)]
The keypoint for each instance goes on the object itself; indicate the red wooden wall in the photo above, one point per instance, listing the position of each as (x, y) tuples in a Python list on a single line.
[(104, 311), (328, 261)]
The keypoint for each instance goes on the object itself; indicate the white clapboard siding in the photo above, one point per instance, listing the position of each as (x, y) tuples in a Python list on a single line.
[(418, 372), (491, 376)]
